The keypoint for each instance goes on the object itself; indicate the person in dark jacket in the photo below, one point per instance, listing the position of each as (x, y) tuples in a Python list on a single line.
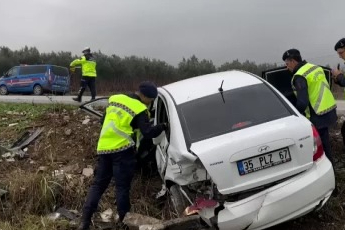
[(314, 98), (116, 149), (338, 76)]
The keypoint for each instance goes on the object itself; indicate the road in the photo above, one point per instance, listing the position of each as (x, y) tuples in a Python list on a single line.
[(46, 99)]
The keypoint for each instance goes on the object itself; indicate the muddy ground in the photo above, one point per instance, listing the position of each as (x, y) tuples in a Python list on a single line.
[(68, 144)]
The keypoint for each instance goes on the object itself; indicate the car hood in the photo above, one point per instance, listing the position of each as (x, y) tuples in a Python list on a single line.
[(220, 155)]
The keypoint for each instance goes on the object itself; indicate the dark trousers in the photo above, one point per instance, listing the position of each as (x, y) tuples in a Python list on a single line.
[(324, 135), (87, 82), (119, 165)]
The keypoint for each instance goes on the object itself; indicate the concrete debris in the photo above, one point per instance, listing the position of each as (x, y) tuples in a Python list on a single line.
[(71, 168), (66, 118), (86, 121), (68, 132), (58, 173), (53, 216), (135, 220), (42, 169), (87, 172), (66, 213), (19, 147), (107, 215), (10, 160), (7, 155)]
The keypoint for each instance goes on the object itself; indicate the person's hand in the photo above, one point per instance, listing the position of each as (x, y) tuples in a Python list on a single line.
[(166, 126), (72, 70), (335, 73)]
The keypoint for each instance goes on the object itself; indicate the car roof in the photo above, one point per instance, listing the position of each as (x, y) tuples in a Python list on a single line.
[(201, 86)]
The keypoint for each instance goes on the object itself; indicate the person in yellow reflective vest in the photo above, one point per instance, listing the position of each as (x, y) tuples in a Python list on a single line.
[(338, 76), (89, 73), (314, 97), (116, 148)]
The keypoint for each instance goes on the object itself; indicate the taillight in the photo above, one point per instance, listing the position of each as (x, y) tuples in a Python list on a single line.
[(318, 149)]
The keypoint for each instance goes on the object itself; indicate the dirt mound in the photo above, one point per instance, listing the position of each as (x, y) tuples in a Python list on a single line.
[(51, 174)]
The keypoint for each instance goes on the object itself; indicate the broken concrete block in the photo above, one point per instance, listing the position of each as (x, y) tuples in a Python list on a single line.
[(68, 132), (86, 121), (42, 169), (7, 155), (87, 172), (71, 168), (107, 215), (135, 220)]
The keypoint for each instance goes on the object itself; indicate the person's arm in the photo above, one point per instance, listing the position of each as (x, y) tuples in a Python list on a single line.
[(141, 121), (340, 79), (79, 61), (302, 96)]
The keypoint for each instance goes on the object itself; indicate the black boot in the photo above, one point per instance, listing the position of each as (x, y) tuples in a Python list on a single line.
[(84, 226), (78, 99)]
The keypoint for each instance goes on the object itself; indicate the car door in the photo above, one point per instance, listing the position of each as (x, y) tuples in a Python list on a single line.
[(11, 79), (281, 77), (162, 141)]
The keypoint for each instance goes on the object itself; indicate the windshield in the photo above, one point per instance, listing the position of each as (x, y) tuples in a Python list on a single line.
[(243, 107)]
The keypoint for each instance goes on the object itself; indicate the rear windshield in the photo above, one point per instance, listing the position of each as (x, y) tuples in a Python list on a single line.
[(25, 70), (59, 71), (238, 109)]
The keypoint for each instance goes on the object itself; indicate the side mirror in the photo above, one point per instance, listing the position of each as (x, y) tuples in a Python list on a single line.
[(158, 140)]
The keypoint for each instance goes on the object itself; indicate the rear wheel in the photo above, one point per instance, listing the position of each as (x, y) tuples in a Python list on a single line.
[(38, 90), (179, 201), (3, 90)]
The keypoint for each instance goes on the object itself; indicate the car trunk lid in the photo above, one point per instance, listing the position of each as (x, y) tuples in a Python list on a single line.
[(258, 155)]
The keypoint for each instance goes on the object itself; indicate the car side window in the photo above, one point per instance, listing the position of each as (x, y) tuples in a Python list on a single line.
[(12, 72), (162, 115)]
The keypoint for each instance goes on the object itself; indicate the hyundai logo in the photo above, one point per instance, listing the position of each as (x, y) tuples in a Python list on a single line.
[(263, 149)]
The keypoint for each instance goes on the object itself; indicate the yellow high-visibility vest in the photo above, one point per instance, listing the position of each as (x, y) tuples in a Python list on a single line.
[(117, 132), (88, 67), (320, 96)]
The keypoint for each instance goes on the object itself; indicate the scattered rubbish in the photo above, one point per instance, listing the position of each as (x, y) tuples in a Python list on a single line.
[(86, 121), (53, 216), (87, 172), (2, 192), (13, 124), (7, 155), (107, 215), (136, 219), (10, 159), (57, 173), (71, 168), (42, 169), (68, 132), (19, 147), (162, 192), (67, 213)]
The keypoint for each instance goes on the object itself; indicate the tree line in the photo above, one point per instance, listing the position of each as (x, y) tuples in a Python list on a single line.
[(124, 73)]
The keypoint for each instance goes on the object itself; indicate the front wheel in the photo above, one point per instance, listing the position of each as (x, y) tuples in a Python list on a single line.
[(38, 90), (3, 90)]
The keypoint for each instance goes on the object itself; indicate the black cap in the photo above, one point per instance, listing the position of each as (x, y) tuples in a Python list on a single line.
[(340, 44), (292, 53), (148, 89)]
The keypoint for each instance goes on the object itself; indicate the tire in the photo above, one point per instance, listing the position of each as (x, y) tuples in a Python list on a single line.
[(38, 90), (3, 90), (179, 201)]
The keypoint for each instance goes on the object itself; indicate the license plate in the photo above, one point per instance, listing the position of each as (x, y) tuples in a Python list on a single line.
[(264, 161)]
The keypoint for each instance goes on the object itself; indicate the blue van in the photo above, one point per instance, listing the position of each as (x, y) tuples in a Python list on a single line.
[(35, 79)]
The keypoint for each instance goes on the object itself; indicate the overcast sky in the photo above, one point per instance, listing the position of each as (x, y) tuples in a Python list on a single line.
[(218, 30)]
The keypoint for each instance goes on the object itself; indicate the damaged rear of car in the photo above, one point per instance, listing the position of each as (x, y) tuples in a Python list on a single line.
[(238, 153)]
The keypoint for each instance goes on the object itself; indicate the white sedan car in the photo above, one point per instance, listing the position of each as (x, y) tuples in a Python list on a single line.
[(238, 153)]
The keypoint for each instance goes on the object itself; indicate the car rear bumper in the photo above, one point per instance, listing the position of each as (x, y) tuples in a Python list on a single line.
[(287, 200)]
